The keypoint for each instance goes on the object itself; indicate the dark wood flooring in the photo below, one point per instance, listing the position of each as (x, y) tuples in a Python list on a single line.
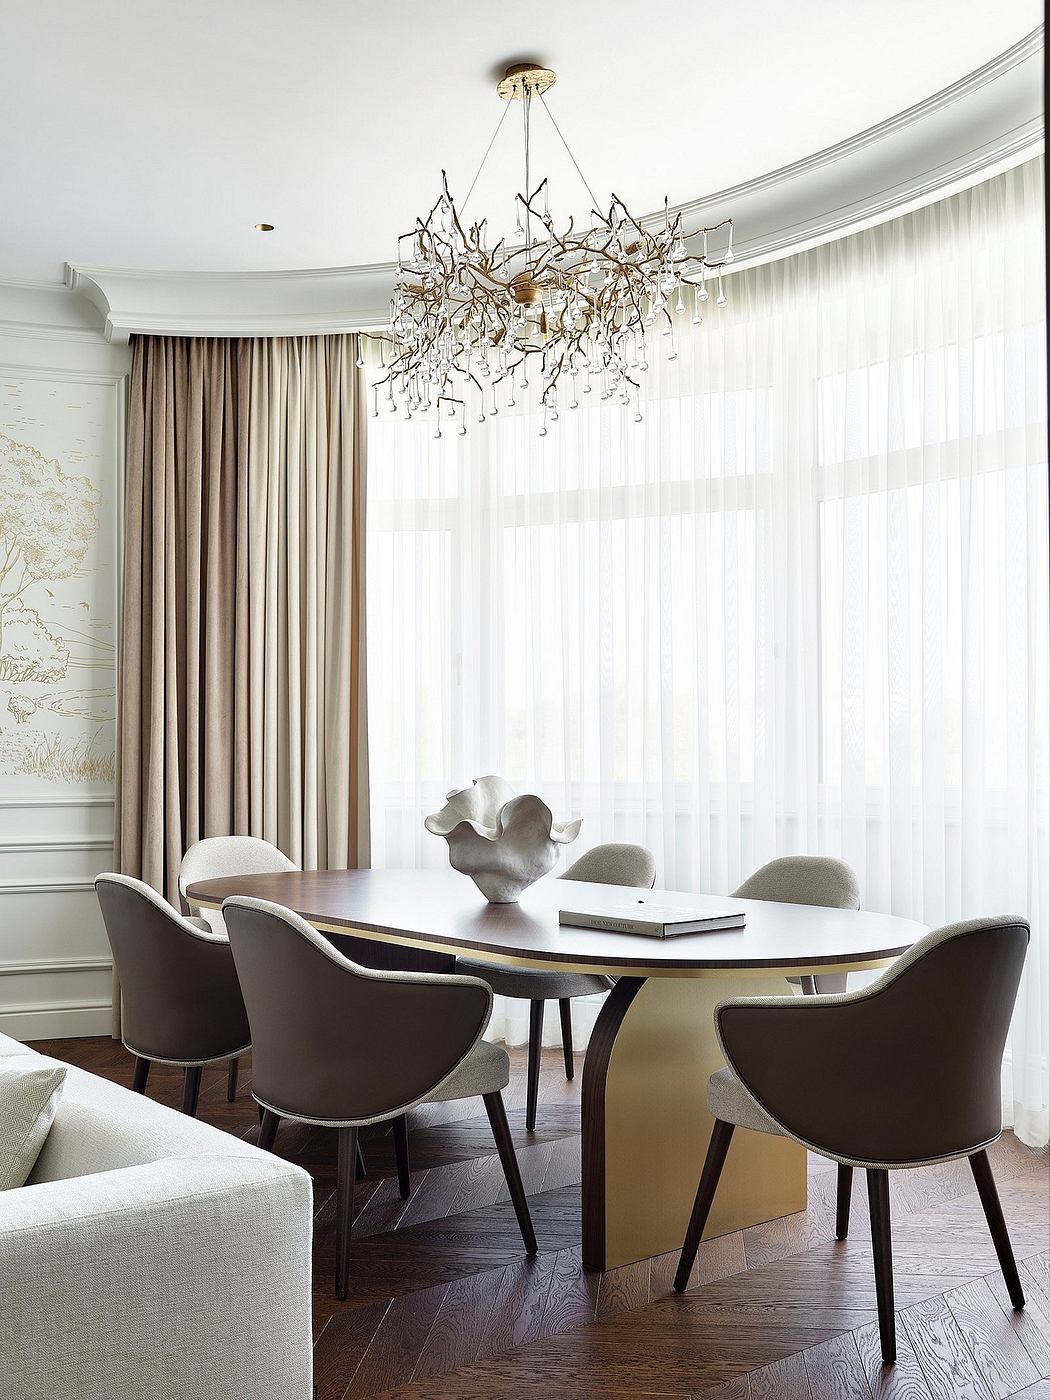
[(443, 1303)]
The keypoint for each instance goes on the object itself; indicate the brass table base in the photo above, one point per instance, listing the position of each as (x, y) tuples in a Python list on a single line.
[(646, 1123)]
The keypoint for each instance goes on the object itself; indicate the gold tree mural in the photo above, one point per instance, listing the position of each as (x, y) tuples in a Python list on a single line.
[(48, 518)]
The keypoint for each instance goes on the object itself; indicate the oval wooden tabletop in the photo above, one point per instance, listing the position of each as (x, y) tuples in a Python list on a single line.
[(443, 910)]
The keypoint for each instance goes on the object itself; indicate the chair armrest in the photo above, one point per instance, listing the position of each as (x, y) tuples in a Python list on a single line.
[(191, 1269), (340, 1043), (810, 1063), (870, 1077)]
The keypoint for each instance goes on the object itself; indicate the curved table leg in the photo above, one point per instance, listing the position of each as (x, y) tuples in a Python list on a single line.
[(646, 1125)]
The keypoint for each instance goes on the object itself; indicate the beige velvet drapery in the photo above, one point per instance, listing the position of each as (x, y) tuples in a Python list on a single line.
[(241, 696)]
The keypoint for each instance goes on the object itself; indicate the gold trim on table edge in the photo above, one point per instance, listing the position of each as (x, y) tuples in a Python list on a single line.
[(603, 969)]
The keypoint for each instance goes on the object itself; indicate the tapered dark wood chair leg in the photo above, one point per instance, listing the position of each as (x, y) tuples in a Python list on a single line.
[(268, 1125), (262, 1111), (404, 1179), (993, 1213), (361, 1170), (721, 1137), (565, 1007), (141, 1074), (231, 1081), (882, 1248), (842, 1200), (509, 1160), (191, 1090), (344, 1208), (532, 1092)]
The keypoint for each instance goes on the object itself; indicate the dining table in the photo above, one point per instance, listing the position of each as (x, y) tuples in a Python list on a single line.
[(645, 1119)]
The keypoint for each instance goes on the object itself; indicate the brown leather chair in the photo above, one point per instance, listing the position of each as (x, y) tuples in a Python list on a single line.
[(342, 1046), (214, 858), (904, 1073), (611, 864), (181, 999), (819, 880)]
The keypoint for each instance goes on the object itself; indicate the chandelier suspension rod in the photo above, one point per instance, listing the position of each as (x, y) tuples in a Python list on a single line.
[(484, 158), (526, 112), (565, 143)]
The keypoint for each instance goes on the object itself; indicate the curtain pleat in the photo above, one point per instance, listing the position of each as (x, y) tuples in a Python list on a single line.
[(241, 688)]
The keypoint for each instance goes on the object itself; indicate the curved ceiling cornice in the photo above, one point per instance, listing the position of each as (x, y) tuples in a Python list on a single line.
[(986, 122)]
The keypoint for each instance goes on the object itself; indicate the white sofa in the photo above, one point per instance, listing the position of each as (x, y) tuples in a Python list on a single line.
[(151, 1257)]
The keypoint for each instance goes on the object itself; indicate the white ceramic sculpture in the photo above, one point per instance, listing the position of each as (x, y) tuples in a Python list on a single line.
[(502, 841)]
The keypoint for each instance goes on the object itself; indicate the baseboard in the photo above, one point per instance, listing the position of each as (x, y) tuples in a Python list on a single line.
[(59, 1021)]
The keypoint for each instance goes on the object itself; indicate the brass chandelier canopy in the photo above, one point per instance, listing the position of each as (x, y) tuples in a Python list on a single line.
[(470, 318)]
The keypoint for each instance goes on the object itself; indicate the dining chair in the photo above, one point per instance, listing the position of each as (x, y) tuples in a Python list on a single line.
[(611, 864), (818, 880), (181, 1001), (341, 1046), (903, 1073), (216, 857)]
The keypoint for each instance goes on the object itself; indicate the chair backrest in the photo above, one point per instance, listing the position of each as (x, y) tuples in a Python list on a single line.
[(179, 990), (804, 880), (615, 863), (333, 1042), (903, 1072), (217, 856)]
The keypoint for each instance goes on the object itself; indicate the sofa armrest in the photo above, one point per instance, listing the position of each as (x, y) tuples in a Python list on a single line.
[(183, 1278)]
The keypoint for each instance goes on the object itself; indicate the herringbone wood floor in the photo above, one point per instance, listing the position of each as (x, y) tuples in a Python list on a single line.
[(443, 1304)]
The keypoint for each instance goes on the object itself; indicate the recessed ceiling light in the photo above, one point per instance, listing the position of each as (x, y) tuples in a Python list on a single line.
[(264, 228)]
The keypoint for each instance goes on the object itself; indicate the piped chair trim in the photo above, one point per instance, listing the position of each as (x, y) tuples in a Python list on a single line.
[(187, 1064)]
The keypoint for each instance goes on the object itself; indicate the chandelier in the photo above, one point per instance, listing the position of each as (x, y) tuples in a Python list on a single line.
[(579, 309)]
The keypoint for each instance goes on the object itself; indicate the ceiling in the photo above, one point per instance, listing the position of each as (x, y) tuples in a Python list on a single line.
[(157, 134)]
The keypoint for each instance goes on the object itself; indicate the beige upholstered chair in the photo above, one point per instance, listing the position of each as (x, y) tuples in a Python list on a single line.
[(181, 999), (818, 880), (342, 1046), (901, 1074), (611, 864), (216, 857)]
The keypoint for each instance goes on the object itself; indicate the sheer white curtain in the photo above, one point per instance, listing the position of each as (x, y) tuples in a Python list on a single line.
[(801, 607)]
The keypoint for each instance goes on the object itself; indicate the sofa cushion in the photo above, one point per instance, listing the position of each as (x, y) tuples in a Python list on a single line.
[(29, 1092)]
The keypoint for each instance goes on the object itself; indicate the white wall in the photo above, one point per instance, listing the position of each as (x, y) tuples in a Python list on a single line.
[(62, 397)]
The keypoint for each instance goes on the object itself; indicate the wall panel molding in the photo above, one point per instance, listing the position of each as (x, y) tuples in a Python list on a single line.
[(55, 962), (32, 967), (62, 799), (47, 886), (57, 843)]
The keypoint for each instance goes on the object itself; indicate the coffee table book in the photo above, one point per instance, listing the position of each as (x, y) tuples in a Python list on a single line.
[(653, 920)]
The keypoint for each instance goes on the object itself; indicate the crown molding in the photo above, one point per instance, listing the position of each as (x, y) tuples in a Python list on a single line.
[(303, 301), (46, 311), (1023, 52), (988, 121)]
